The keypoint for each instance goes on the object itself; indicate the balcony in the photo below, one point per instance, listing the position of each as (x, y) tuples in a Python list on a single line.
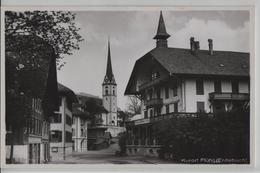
[(152, 83), (229, 96), (153, 102)]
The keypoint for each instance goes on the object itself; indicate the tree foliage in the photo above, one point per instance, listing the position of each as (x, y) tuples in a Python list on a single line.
[(32, 39), (124, 115), (57, 28), (94, 108)]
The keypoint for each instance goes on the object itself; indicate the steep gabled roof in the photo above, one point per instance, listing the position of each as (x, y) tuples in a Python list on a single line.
[(178, 61), (181, 61)]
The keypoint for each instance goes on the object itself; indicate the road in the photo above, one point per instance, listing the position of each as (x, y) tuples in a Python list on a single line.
[(106, 156)]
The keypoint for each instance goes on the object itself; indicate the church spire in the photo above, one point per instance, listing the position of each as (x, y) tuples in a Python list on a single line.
[(109, 78), (161, 35)]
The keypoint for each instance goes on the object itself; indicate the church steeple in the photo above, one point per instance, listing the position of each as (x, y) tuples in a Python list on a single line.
[(109, 92), (109, 77), (161, 35)]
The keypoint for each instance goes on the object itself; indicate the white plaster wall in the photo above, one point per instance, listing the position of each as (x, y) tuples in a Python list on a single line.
[(110, 103), (192, 98), (20, 153), (60, 126)]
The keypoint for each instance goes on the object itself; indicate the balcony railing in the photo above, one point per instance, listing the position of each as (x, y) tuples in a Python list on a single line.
[(153, 102), (160, 117), (228, 96)]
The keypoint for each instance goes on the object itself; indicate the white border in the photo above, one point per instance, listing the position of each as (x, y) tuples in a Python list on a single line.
[(101, 5)]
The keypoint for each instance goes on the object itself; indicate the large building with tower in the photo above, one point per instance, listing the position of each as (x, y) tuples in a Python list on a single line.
[(109, 93)]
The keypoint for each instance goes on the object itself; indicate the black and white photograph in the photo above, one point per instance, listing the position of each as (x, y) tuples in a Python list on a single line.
[(157, 86)]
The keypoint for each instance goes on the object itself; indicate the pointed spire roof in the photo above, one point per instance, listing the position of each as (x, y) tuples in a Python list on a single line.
[(109, 78), (161, 30)]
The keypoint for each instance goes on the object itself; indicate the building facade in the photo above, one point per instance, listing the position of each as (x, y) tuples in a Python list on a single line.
[(80, 123), (61, 125), (28, 118), (109, 92), (80, 132), (182, 82)]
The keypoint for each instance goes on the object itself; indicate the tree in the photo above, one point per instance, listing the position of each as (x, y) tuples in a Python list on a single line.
[(57, 28), (32, 39), (134, 105), (94, 108), (124, 115)]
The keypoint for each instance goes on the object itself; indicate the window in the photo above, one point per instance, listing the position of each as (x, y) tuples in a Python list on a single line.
[(175, 91), (217, 86), (106, 92), (145, 114), (234, 85), (158, 93), (54, 149), (151, 113), (175, 107), (200, 107), (36, 104), (56, 136), (199, 87), (68, 120), (167, 109), (56, 118), (68, 137), (166, 92), (114, 92), (155, 75), (73, 132), (33, 126)]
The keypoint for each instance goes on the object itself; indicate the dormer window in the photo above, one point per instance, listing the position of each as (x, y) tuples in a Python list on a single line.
[(155, 75)]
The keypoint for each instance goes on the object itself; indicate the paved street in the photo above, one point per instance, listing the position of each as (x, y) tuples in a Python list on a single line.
[(107, 156)]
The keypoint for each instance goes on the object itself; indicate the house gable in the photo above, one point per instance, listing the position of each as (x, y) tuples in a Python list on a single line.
[(142, 73)]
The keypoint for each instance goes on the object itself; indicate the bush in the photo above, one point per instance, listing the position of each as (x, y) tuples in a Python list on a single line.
[(224, 135)]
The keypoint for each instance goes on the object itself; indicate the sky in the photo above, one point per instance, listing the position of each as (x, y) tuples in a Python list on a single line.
[(131, 36)]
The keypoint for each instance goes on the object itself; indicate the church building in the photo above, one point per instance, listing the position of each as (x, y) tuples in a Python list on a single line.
[(109, 93)]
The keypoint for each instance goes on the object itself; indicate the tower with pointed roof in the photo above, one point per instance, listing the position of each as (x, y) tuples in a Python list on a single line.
[(109, 90), (161, 35)]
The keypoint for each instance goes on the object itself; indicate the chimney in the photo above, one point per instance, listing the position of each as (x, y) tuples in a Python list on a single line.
[(197, 47), (210, 46), (192, 48)]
